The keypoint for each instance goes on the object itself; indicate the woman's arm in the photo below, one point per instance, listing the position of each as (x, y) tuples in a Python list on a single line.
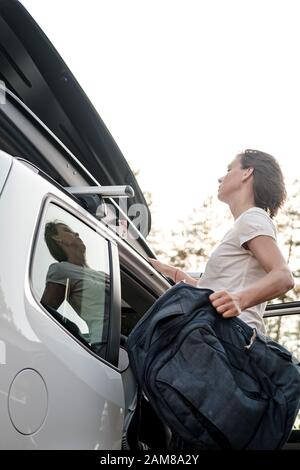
[(174, 273), (277, 281), (53, 295)]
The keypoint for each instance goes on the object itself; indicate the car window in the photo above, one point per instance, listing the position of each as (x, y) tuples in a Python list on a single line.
[(285, 329), (136, 300), (129, 318), (71, 277)]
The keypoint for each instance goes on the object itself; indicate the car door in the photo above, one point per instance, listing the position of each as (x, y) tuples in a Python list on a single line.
[(282, 321), (80, 368)]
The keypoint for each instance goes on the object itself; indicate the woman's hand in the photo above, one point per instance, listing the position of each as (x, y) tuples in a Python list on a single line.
[(176, 274), (163, 268), (228, 304)]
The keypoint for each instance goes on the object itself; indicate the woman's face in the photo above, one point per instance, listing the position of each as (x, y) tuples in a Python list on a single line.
[(232, 181), (67, 238)]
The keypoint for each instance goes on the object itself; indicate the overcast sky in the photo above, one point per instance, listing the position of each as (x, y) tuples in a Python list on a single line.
[(183, 85)]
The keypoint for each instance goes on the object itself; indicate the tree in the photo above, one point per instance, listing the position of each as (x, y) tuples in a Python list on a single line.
[(196, 236), (155, 238), (289, 232)]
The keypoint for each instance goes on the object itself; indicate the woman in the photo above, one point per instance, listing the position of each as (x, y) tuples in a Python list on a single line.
[(247, 268)]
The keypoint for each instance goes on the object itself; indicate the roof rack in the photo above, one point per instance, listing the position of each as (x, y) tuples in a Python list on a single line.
[(92, 197), (103, 191)]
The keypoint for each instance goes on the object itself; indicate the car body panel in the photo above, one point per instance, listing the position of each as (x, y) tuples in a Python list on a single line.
[(6, 163), (85, 395)]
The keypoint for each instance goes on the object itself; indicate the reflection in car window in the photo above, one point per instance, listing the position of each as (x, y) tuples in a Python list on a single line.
[(71, 277)]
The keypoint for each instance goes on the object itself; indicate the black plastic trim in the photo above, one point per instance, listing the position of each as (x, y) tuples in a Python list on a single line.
[(114, 333)]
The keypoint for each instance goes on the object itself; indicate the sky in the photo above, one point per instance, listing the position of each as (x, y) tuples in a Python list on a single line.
[(184, 85)]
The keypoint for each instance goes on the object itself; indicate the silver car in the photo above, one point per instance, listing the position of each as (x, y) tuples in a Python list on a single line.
[(65, 381)]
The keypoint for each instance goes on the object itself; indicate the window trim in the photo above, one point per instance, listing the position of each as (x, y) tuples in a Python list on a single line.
[(278, 310), (114, 328)]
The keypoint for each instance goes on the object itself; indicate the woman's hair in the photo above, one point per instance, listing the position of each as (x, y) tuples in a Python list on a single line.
[(55, 249), (268, 182)]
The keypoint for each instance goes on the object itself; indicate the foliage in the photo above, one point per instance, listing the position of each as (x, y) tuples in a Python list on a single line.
[(190, 243)]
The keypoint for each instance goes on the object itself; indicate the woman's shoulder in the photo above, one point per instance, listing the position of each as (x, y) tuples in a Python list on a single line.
[(255, 213), (58, 267), (255, 217)]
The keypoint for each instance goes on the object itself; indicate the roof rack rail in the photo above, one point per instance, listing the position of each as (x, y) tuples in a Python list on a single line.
[(103, 191), (92, 197)]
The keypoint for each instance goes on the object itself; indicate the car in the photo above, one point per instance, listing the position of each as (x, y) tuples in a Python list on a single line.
[(58, 391), (65, 377)]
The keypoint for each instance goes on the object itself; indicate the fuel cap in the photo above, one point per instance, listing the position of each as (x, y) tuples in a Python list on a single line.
[(28, 401)]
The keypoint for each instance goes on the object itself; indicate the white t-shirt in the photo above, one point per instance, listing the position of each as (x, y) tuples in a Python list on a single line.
[(232, 267)]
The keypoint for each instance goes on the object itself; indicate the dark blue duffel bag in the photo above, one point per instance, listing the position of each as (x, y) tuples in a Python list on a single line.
[(217, 383)]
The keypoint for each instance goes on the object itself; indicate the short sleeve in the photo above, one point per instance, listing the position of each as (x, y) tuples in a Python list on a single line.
[(253, 224), (56, 274)]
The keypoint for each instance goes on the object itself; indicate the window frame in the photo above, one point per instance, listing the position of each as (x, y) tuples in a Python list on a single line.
[(114, 314), (282, 309)]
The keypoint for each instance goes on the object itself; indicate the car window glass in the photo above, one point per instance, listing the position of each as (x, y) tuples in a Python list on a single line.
[(71, 277)]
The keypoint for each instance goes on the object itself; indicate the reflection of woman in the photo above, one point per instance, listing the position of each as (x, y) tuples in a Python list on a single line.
[(72, 279), (247, 268)]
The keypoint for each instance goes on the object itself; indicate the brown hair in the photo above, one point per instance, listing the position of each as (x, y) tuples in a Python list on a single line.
[(55, 249), (268, 182)]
